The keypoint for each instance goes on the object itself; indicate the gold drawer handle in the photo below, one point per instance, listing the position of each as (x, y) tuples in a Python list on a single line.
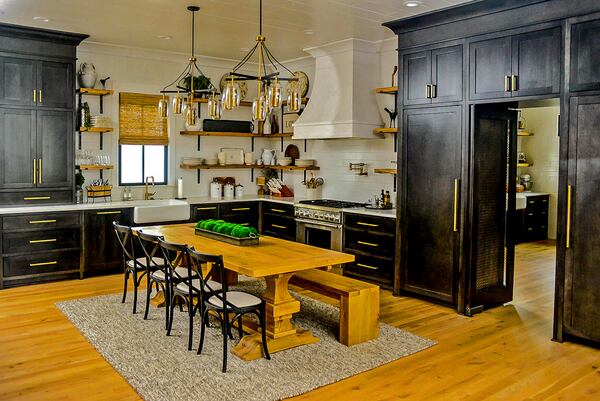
[(206, 208), (367, 243), (54, 262), (114, 212), (41, 221), (239, 209), (278, 210), (41, 241), (28, 198), (367, 266), (360, 223), (245, 224), (278, 226)]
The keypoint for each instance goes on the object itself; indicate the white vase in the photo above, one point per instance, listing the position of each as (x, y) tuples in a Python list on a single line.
[(87, 75)]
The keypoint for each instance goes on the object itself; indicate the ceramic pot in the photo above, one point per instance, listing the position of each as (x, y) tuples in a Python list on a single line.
[(87, 75), (267, 156)]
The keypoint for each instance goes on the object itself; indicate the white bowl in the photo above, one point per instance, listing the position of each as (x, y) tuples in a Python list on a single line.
[(284, 162), (305, 162), (192, 161), (212, 162)]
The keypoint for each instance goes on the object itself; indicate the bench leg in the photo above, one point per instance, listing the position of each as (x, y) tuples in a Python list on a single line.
[(359, 316)]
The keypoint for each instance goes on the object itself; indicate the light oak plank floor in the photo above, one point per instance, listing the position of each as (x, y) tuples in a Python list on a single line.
[(503, 354)]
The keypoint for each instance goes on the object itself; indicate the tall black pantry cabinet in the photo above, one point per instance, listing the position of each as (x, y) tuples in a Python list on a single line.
[(37, 115)]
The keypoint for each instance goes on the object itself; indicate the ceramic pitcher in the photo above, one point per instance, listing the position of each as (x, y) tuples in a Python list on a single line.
[(267, 156)]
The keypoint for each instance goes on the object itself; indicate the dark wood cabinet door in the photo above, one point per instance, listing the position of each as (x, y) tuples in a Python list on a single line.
[(585, 53), (417, 75), (582, 257), (17, 81), (490, 64), (432, 160), (102, 250), (536, 62), (205, 212), (17, 148), (447, 74), (55, 148), (55, 85)]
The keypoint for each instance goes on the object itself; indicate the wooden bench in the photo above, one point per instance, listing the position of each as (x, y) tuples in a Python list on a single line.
[(359, 302)]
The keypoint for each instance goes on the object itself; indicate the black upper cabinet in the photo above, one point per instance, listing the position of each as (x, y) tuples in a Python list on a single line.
[(490, 62), (17, 81), (521, 65), (585, 53), (433, 76), (54, 148), (17, 148), (55, 85)]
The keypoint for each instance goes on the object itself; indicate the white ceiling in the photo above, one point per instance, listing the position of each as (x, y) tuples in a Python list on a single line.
[(224, 27)]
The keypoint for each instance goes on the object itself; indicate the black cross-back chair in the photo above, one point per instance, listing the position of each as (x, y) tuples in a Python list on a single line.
[(131, 265), (156, 269), (176, 255), (224, 302)]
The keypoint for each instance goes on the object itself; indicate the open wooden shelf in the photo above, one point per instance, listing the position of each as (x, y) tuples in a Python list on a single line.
[(95, 92), (386, 171), (385, 130), (94, 167), (242, 166), (524, 133), (236, 134), (95, 129), (391, 90), (524, 164)]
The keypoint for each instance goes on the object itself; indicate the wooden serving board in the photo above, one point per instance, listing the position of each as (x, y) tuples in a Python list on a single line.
[(227, 238)]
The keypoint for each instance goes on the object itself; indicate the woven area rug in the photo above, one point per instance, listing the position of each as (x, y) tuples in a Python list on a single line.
[(160, 368)]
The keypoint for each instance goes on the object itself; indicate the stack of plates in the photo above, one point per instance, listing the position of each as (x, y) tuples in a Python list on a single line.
[(101, 121), (284, 161), (305, 162), (192, 161)]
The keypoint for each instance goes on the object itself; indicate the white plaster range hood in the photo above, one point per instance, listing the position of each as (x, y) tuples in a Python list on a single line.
[(342, 103)]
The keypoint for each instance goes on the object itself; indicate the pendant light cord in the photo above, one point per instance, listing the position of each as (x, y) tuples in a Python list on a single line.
[(260, 19)]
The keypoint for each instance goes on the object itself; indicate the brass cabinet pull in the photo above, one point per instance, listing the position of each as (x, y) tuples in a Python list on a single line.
[(41, 241), (34, 171), (367, 243), (245, 224), (34, 96), (29, 198), (278, 226), (428, 91), (360, 223), (367, 266), (433, 91), (206, 208), (112, 212), (40, 96), (513, 83), (506, 83), (41, 221), (40, 172), (54, 262), (278, 210), (456, 192), (569, 194), (239, 209)]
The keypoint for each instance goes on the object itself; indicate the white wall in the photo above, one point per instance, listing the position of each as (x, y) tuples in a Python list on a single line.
[(147, 71), (542, 149)]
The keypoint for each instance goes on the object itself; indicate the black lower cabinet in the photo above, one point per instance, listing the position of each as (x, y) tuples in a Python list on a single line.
[(245, 213), (278, 221), (372, 241), (102, 251), (531, 223), (205, 211)]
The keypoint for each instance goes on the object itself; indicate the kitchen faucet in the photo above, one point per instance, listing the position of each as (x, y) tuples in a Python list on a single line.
[(149, 195)]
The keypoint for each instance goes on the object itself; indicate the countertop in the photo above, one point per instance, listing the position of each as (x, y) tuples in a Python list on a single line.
[(192, 201), (526, 194)]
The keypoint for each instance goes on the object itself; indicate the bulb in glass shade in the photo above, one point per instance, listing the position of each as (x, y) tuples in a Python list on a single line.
[(190, 115), (274, 94), (214, 107), (259, 108), (294, 100), (177, 104), (163, 108), (231, 96)]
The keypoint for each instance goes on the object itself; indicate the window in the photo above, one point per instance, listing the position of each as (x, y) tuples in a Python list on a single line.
[(136, 162), (143, 139)]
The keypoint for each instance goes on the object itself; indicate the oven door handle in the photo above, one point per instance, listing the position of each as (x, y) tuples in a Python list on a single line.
[(317, 223)]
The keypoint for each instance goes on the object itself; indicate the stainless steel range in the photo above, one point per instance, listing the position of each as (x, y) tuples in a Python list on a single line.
[(319, 222)]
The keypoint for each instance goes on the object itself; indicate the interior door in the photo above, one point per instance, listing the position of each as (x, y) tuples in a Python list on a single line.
[(432, 151), (54, 148), (55, 85), (493, 177), (490, 65), (17, 148)]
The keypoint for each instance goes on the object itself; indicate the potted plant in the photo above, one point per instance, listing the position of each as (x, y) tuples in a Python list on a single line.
[(200, 82)]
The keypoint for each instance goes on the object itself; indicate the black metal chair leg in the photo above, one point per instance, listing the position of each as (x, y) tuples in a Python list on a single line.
[(225, 329), (202, 328), (125, 277), (148, 292), (168, 312), (171, 312), (190, 308), (135, 291), (240, 327), (263, 329)]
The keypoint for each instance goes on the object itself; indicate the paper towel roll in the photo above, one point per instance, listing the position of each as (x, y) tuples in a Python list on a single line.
[(180, 188)]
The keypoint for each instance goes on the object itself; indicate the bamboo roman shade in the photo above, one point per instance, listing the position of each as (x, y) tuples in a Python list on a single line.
[(139, 121)]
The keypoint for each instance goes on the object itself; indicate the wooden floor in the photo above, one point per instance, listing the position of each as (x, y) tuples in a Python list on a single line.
[(503, 354)]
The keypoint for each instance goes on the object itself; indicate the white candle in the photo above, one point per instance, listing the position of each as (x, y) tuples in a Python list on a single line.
[(180, 187)]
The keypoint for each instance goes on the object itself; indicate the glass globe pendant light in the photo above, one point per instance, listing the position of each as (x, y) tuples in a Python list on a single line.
[(214, 106), (231, 95), (274, 94), (260, 105), (294, 100), (190, 114), (163, 107), (177, 104)]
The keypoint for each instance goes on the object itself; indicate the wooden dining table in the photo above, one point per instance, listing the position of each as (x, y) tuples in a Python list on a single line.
[(276, 260)]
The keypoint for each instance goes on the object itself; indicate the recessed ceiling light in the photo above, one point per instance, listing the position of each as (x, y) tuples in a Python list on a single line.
[(164, 37), (412, 3), (309, 32), (41, 19)]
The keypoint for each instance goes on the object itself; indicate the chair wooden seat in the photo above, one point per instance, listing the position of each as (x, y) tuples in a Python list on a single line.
[(359, 302)]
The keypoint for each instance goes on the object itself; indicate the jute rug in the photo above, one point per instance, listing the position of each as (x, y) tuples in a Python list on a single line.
[(160, 368)]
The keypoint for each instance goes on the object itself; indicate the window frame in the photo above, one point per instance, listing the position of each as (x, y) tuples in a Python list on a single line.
[(138, 184)]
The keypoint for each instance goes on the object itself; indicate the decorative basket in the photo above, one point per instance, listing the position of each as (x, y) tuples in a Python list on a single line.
[(98, 191)]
